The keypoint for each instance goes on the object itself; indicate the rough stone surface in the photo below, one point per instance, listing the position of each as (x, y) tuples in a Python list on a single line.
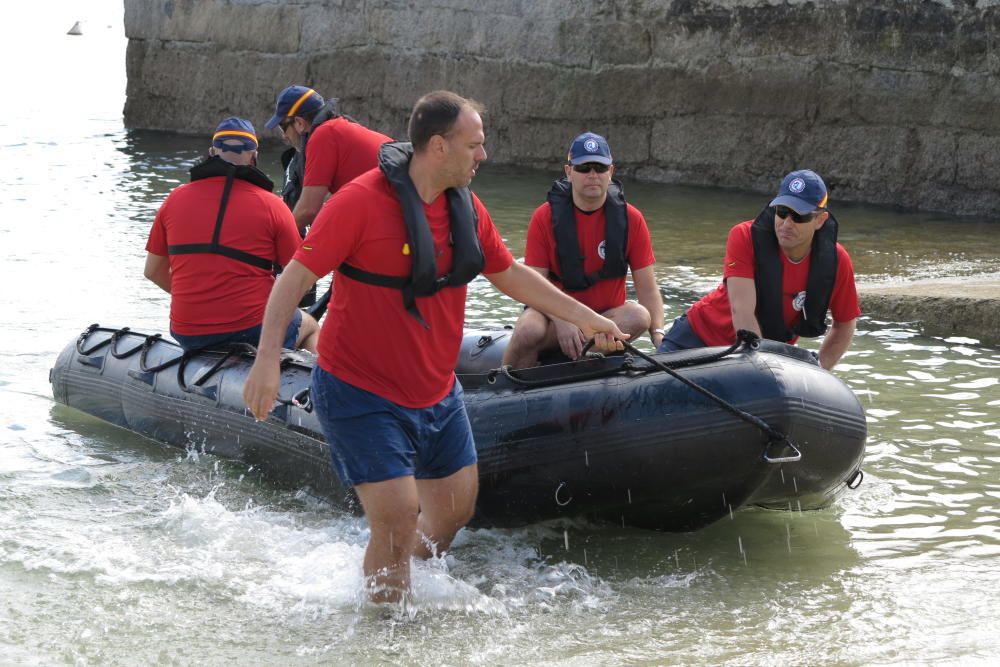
[(894, 102), (958, 307)]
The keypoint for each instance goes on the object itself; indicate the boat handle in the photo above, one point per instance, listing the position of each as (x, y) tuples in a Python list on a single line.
[(795, 457)]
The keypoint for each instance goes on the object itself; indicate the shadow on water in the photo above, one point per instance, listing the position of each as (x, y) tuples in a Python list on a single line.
[(754, 543)]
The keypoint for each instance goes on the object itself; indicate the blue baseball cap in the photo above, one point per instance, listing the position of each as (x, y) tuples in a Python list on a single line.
[(294, 101), (803, 191), (589, 147), (238, 129)]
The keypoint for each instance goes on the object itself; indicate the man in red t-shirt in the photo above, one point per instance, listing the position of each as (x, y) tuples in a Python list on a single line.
[(384, 387), (585, 238), (214, 244), (782, 272), (339, 150)]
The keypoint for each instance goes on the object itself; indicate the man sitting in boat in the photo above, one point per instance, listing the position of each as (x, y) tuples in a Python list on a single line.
[(783, 271), (585, 239), (405, 240), (214, 245)]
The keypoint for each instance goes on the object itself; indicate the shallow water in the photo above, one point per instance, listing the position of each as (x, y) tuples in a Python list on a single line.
[(116, 550)]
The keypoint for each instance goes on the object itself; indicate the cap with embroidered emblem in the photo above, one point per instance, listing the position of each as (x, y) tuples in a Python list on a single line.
[(803, 191), (589, 147)]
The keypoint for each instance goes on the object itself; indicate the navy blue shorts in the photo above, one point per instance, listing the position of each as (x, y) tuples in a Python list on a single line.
[(251, 336), (680, 337), (373, 439)]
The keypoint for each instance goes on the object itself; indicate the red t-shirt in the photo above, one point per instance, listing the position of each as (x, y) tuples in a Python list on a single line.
[(210, 293), (711, 318), (368, 339), (540, 252), (338, 151)]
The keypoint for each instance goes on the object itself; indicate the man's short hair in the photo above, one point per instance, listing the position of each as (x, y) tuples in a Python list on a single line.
[(436, 113)]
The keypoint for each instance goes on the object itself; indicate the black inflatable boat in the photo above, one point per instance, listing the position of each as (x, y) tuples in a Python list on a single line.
[(666, 441)]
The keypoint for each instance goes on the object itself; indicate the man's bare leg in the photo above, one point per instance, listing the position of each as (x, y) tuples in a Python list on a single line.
[(532, 334), (446, 505), (308, 333), (391, 508), (631, 317)]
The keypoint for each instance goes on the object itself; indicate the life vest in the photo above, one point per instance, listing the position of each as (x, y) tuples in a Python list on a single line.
[(467, 260), (294, 161), (570, 271), (216, 166), (768, 275)]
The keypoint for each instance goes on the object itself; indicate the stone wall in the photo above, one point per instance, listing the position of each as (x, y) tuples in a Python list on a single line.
[(892, 102)]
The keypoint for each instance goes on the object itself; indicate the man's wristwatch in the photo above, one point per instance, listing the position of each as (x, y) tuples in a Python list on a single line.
[(659, 331)]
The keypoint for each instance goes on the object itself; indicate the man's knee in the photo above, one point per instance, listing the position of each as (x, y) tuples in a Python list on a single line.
[(631, 317), (308, 328), (529, 331)]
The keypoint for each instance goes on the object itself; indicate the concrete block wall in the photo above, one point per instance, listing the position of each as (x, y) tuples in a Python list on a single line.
[(892, 102)]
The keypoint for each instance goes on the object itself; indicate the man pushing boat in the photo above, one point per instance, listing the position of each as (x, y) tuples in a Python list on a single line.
[(406, 239), (783, 271), (586, 238)]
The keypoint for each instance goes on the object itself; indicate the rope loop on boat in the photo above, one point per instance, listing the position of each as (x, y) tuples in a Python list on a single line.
[(146, 346), (854, 481), (83, 339), (115, 337), (232, 349)]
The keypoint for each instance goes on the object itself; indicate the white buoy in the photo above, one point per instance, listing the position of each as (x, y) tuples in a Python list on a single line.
[(76, 29)]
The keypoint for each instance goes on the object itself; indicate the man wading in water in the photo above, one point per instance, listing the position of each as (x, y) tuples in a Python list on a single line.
[(405, 239)]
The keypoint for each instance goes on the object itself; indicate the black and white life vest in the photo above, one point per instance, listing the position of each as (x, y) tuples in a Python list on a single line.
[(468, 260), (216, 166), (768, 277), (570, 271)]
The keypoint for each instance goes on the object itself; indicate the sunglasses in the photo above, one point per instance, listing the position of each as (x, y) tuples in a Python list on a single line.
[(785, 212), (285, 123), (591, 166)]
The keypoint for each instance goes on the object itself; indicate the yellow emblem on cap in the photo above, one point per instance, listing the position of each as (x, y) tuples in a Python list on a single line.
[(406, 248), (307, 247)]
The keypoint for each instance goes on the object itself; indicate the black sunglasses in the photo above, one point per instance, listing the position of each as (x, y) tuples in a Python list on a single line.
[(591, 166), (284, 123), (785, 212)]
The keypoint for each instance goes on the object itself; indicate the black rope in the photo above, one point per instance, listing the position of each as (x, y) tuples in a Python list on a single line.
[(626, 366), (509, 373), (83, 339), (146, 346), (751, 341), (115, 337)]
